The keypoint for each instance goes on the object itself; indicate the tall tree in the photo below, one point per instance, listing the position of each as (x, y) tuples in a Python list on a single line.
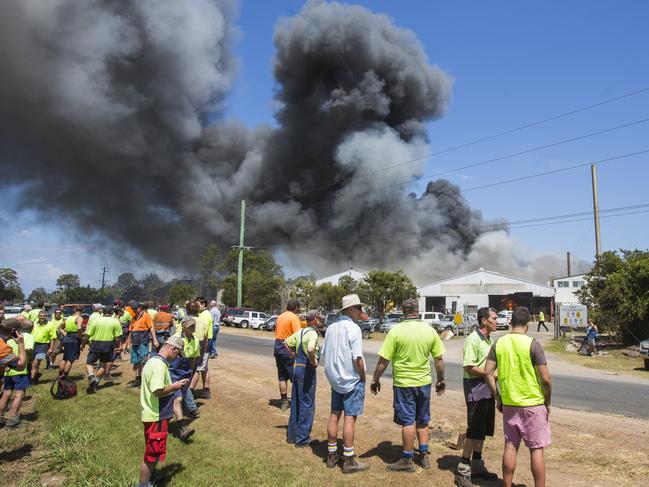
[(67, 282), (10, 289), (126, 280), (179, 293), (382, 287), (38, 295), (617, 294), (211, 266), (263, 280)]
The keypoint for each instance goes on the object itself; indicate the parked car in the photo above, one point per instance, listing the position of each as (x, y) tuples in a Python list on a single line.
[(12, 311), (390, 316), (431, 318), (503, 319), (366, 329), (269, 324), (644, 351), (387, 325), (447, 323), (228, 315), (249, 319), (374, 323)]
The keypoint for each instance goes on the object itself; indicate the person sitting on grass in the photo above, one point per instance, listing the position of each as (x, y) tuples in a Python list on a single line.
[(156, 402), (183, 367), (16, 379), (44, 335)]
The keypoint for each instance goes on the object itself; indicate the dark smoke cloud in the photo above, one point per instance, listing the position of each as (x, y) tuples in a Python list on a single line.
[(104, 108)]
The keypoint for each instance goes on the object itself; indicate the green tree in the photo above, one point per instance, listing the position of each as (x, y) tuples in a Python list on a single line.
[(211, 266), (83, 294), (179, 293), (67, 282), (617, 294), (382, 287), (10, 289), (126, 280), (38, 295), (263, 280)]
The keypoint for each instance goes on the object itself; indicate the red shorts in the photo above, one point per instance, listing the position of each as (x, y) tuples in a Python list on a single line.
[(155, 441)]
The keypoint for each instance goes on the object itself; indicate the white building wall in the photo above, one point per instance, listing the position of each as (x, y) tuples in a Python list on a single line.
[(565, 288)]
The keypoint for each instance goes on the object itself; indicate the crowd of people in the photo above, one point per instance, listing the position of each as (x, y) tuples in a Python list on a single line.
[(509, 375), (170, 351)]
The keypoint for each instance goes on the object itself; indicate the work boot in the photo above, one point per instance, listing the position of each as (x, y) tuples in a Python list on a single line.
[(350, 465), (402, 465), (3, 421), (12, 421), (478, 469), (185, 433), (284, 405), (206, 394), (92, 385), (463, 475), (332, 460), (194, 414), (424, 460), (135, 383)]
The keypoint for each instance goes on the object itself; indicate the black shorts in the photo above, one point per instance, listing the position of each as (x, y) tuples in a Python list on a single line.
[(102, 357), (480, 418), (284, 367)]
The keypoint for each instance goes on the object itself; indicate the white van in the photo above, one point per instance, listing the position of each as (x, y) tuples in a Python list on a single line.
[(431, 318)]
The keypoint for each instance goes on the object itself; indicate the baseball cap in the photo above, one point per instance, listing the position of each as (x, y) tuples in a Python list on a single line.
[(176, 342)]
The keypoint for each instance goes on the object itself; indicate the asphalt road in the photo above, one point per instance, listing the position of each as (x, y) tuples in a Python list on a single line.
[(578, 393)]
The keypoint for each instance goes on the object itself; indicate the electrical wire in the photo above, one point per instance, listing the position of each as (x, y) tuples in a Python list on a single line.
[(481, 139)]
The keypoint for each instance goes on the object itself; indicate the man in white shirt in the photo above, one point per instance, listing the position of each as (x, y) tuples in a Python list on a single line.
[(345, 370)]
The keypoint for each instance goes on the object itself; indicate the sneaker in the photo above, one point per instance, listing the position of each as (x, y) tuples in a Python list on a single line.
[(424, 460), (135, 383), (463, 475), (185, 433), (206, 394), (12, 421), (284, 405), (350, 465), (194, 414), (403, 465), (332, 460), (478, 469)]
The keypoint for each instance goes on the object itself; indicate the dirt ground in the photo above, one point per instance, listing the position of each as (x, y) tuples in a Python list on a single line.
[(588, 449)]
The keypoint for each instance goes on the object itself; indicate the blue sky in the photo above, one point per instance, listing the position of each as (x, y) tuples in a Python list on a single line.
[(513, 63)]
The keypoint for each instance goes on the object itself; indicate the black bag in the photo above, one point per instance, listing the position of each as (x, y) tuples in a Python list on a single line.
[(65, 388)]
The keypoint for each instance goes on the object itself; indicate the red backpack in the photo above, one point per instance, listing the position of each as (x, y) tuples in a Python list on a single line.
[(65, 388)]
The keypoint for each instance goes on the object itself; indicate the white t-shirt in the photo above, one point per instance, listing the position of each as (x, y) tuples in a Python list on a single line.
[(343, 344)]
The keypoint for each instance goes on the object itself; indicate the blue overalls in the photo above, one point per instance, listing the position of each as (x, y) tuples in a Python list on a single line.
[(300, 420)]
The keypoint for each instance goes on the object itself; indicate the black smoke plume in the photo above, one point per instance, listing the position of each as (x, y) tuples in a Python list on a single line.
[(104, 108)]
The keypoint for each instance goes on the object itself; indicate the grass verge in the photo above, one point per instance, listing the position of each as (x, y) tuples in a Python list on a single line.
[(98, 441), (615, 362)]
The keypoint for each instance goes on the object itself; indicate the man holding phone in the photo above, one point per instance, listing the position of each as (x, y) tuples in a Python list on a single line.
[(156, 400)]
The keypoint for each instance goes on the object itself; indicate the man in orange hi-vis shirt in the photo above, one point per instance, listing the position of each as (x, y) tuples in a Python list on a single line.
[(287, 324)]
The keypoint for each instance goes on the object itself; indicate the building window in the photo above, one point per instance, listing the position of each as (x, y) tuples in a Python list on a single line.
[(577, 283), (563, 284)]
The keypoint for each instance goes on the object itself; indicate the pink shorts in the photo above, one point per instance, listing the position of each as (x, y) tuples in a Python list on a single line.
[(531, 424)]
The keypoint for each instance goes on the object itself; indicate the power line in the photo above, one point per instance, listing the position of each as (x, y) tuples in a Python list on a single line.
[(541, 221), (480, 140), (495, 159)]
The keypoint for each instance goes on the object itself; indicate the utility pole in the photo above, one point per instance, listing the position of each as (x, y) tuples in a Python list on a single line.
[(598, 241), (241, 248), (103, 281), (568, 263)]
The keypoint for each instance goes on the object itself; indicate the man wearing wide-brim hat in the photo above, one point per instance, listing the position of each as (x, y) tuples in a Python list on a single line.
[(345, 370)]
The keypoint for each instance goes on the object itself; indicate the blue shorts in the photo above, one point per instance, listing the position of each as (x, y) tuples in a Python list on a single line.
[(71, 348), (351, 403), (412, 405), (284, 367), (17, 382), (139, 353), (40, 350)]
